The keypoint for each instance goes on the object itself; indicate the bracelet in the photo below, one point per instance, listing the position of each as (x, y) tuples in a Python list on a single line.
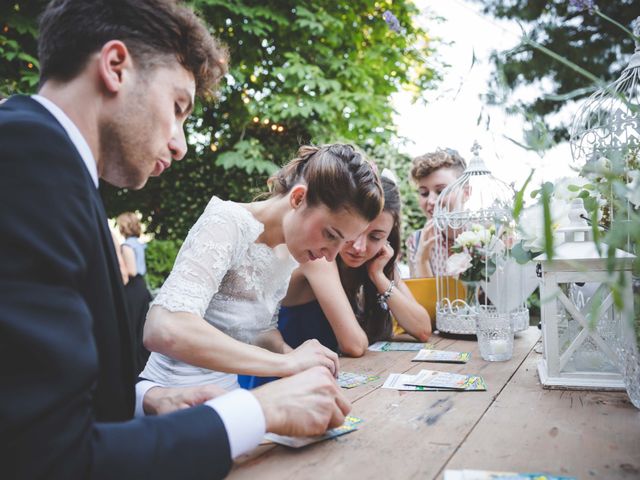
[(382, 297)]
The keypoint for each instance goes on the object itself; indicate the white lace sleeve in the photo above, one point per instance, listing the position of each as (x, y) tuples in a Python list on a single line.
[(210, 249)]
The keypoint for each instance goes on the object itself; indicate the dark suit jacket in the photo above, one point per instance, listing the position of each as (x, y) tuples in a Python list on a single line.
[(66, 359)]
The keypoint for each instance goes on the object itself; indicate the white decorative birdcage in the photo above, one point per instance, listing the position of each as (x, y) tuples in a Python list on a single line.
[(473, 228), (605, 132)]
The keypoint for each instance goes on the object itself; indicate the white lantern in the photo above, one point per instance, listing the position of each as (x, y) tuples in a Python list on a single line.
[(580, 323), (605, 138)]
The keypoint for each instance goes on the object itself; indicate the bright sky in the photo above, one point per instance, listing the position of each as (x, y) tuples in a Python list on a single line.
[(450, 119)]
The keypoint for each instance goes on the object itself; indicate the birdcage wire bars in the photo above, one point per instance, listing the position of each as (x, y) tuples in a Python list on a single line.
[(473, 222)]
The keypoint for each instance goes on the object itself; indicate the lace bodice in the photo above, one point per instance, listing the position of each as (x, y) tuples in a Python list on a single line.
[(222, 275)]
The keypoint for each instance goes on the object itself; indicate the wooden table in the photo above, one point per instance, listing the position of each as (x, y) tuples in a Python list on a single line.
[(515, 425)]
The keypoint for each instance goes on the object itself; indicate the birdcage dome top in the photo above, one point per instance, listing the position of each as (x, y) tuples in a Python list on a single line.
[(607, 125), (475, 197)]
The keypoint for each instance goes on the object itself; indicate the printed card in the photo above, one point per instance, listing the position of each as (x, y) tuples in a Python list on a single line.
[(351, 380), (429, 380), (442, 356), (398, 346), (446, 380), (487, 475), (349, 425), (398, 381)]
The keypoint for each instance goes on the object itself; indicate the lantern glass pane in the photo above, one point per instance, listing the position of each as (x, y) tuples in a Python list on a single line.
[(587, 328)]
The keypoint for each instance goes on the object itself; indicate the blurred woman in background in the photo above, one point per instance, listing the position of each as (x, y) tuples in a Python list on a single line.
[(136, 291)]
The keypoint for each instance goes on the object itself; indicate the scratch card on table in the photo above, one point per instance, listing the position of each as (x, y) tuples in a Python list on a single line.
[(396, 381), (446, 380), (351, 380), (441, 356), (487, 475), (428, 380), (350, 424), (398, 346)]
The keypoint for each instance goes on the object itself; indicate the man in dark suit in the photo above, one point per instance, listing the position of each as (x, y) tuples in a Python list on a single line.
[(117, 82)]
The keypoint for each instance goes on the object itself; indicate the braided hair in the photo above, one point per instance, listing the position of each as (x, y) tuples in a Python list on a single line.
[(336, 175)]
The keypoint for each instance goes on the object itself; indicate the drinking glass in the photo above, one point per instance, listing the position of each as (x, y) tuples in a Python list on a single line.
[(495, 334)]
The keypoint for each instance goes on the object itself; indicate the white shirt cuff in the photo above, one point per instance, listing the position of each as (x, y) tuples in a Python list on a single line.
[(141, 390), (243, 419)]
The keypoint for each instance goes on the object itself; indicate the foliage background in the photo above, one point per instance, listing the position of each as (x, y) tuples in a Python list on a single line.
[(300, 73), (160, 256), (574, 32)]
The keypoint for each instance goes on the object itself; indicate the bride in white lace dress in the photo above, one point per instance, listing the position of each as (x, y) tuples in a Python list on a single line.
[(216, 314)]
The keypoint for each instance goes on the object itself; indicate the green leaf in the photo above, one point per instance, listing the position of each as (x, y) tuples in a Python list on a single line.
[(246, 155), (521, 255), (519, 200), (547, 191)]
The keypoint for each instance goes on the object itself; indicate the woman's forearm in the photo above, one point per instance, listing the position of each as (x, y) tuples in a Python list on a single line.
[(407, 311), (272, 340), (327, 288), (411, 316), (191, 339)]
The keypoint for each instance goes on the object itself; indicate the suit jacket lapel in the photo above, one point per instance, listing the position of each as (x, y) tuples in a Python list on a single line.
[(127, 349)]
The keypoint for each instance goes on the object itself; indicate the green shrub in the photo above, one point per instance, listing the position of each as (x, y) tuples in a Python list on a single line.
[(160, 256)]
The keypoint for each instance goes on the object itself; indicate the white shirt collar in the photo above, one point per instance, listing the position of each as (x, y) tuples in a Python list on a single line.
[(74, 134)]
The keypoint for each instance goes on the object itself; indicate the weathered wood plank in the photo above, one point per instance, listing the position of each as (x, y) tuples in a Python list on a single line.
[(405, 434), (576, 433)]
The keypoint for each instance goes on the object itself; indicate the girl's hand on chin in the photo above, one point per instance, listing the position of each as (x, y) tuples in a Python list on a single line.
[(376, 265)]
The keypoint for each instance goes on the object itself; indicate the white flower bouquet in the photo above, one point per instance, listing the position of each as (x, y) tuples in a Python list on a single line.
[(475, 251)]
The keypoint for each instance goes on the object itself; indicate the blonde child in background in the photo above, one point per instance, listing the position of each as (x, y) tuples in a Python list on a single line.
[(432, 173)]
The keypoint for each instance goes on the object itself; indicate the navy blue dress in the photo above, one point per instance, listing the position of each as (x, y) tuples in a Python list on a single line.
[(298, 324)]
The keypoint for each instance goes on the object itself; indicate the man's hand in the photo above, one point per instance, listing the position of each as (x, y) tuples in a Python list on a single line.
[(311, 354), (308, 403), (161, 400)]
